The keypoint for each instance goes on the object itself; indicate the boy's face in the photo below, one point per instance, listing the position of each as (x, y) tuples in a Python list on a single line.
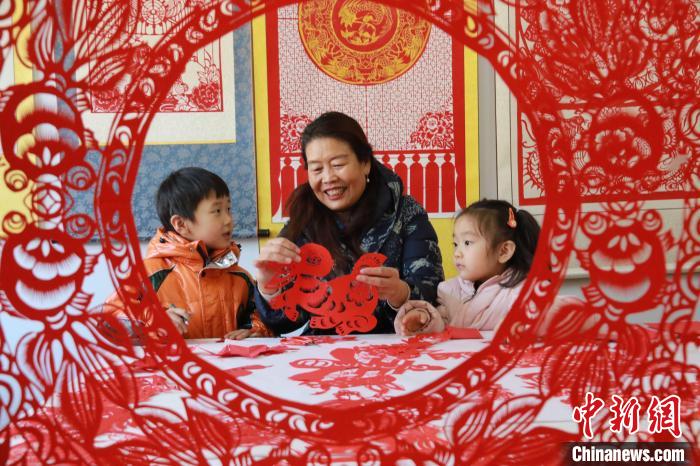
[(213, 222)]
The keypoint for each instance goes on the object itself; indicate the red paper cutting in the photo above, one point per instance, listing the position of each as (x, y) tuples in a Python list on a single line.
[(373, 367), (342, 303), (306, 340), (244, 370), (253, 351), (316, 262)]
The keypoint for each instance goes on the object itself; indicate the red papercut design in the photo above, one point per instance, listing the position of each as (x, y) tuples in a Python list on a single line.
[(435, 130), (244, 370), (291, 127), (628, 103), (609, 92), (624, 242), (147, 363), (342, 303), (371, 367), (359, 41), (686, 330)]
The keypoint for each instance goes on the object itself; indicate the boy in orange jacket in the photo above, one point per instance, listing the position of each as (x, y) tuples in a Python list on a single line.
[(193, 264)]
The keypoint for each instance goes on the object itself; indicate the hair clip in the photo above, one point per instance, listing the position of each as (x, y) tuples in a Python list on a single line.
[(511, 218)]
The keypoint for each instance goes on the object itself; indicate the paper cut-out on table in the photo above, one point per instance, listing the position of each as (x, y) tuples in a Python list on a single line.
[(253, 351), (342, 303), (457, 333), (307, 340), (375, 368), (244, 370)]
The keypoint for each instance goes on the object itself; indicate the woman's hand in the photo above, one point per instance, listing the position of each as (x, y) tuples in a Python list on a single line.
[(390, 287), (279, 250), (179, 317), (241, 334)]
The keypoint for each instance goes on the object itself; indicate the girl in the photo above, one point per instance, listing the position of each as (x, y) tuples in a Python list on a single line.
[(494, 244)]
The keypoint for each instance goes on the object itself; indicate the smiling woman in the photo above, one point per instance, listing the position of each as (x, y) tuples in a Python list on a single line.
[(351, 204)]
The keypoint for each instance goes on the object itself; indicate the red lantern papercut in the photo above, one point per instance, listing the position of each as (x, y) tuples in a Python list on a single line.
[(610, 94)]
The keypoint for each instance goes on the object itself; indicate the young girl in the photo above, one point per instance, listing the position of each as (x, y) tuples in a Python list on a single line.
[(494, 244)]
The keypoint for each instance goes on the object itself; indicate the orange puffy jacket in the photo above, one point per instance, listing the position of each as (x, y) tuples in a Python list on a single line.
[(216, 290)]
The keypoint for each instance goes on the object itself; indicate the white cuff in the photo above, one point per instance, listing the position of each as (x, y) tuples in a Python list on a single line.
[(408, 296)]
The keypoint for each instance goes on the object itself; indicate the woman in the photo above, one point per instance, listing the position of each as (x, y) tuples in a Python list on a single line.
[(352, 204)]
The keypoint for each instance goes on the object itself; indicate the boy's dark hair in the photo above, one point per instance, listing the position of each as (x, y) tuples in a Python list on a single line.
[(182, 191), (308, 214), (491, 218)]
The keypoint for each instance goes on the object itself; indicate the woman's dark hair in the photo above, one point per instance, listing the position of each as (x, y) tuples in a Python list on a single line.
[(308, 215), (182, 190), (492, 220)]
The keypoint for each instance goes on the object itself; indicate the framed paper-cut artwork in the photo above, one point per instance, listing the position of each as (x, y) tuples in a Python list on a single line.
[(206, 88), (628, 116), (638, 119), (400, 77)]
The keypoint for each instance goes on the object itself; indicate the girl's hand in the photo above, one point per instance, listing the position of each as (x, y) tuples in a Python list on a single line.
[(179, 317), (279, 250), (241, 334), (390, 287), (415, 319)]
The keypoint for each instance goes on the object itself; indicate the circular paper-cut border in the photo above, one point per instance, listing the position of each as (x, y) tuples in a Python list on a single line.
[(318, 423)]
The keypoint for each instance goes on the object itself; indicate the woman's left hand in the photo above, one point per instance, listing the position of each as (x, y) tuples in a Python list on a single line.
[(391, 288)]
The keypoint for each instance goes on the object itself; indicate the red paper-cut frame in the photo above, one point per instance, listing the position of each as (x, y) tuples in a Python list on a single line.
[(384, 418), (319, 425)]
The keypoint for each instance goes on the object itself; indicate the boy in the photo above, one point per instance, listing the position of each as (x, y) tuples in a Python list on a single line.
[(192, 263)]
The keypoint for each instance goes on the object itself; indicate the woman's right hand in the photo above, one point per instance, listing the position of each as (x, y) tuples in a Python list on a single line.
[(279, 250)]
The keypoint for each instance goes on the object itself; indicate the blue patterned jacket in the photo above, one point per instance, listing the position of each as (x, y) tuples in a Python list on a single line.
[(405, 236)]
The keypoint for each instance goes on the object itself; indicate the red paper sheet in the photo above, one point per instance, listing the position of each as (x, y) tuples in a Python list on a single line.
[(457, 333)]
